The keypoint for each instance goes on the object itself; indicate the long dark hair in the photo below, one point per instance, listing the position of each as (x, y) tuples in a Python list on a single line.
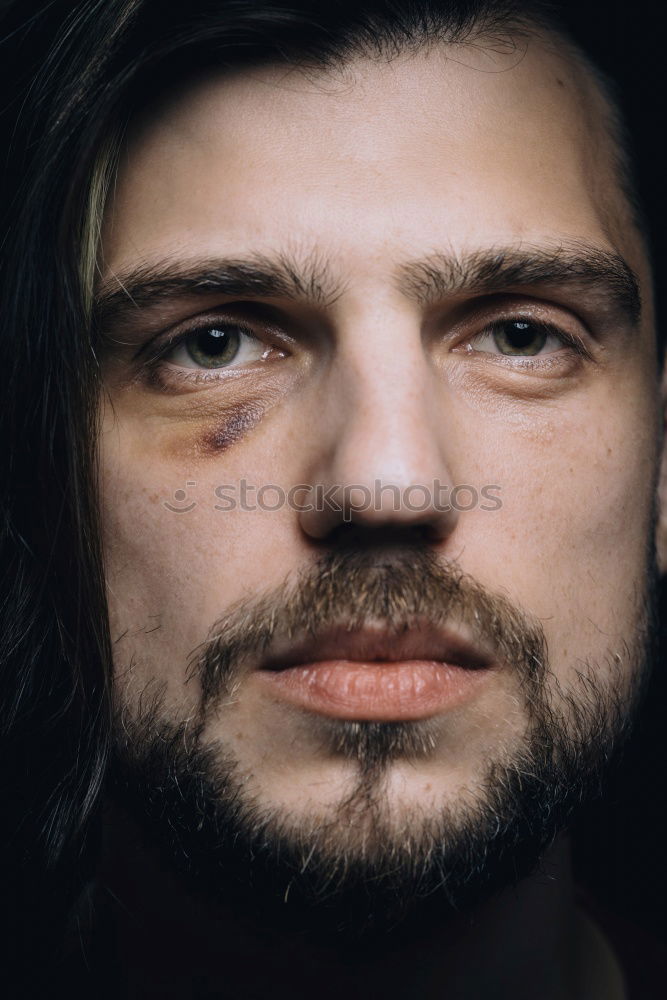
[(73, 73)]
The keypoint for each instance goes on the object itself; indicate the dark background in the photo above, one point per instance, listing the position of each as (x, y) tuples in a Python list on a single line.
[(619, 849)]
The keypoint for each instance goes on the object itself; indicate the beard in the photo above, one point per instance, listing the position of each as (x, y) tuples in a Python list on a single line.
[(370, 870)]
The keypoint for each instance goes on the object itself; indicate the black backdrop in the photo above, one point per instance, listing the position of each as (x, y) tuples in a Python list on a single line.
[(619, 851)]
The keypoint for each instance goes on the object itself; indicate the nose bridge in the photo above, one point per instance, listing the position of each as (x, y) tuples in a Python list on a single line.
[(387, 426), (382, 450)]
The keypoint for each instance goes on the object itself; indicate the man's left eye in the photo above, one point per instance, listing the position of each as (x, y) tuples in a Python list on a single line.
[(216, 345), (517, 338)]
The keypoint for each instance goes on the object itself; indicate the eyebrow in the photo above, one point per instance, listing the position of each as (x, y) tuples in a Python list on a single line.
[(440, 276), (429, 280), (254, 276)]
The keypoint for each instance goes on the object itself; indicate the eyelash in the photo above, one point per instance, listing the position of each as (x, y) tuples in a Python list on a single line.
[(154, 367), (568, 340)]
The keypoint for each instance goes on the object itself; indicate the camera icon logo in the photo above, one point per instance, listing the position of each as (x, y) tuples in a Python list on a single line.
[(180, 496)]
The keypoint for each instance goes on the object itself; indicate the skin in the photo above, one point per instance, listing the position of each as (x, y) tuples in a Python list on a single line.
[(366, 169)]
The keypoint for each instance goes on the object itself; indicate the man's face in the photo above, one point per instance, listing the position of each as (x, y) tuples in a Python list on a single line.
[(448, 308)]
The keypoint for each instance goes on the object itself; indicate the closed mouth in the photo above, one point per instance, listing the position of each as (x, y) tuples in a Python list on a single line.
[(374, 644)]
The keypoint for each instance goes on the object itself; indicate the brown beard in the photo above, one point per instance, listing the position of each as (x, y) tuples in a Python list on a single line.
[(190, 799)]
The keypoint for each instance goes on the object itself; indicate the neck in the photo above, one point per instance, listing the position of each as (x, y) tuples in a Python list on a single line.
[(525, 942)]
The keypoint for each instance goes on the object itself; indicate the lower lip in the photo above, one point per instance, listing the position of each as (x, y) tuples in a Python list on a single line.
[(346, 689)]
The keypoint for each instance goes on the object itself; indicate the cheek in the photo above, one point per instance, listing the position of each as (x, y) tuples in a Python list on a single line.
[(150, 567), (176, 554), (571, 541)]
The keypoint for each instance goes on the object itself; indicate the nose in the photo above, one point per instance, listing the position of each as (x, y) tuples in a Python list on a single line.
[(380, 461)]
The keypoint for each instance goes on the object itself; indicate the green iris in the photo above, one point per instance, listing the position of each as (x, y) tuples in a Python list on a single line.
[(213, 347), (517, 337)]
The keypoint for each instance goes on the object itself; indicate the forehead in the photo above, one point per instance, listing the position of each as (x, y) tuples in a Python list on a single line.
[(447, 147)]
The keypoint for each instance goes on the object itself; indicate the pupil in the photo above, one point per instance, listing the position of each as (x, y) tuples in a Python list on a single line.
[(520, 335), (213, 347), (213, 342)]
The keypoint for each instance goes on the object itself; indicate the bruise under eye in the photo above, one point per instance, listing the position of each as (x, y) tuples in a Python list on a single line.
[(215, 430), (234, 426)]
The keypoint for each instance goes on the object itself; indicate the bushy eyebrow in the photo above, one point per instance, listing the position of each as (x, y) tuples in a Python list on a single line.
[(440, 276), (428, 280), (254, 276)]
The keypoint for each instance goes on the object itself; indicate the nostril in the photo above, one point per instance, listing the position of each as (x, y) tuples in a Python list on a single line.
[(355, 536)]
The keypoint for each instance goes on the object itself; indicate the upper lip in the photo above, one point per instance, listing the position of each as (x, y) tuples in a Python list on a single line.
[(367, 644)]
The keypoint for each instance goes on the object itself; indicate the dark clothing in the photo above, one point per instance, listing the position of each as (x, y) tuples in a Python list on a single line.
[(94, 972), (641, 957)]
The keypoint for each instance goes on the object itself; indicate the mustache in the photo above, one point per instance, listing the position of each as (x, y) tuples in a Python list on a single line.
[(396, 591)]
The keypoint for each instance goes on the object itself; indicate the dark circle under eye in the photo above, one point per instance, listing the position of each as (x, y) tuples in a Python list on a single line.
[(519, 337), (214, 346)]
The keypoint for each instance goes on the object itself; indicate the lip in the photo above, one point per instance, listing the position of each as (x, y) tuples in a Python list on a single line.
[(376, 674)]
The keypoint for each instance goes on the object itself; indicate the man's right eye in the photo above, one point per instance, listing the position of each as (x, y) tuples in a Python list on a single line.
[(217, 345), (204, 352)]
